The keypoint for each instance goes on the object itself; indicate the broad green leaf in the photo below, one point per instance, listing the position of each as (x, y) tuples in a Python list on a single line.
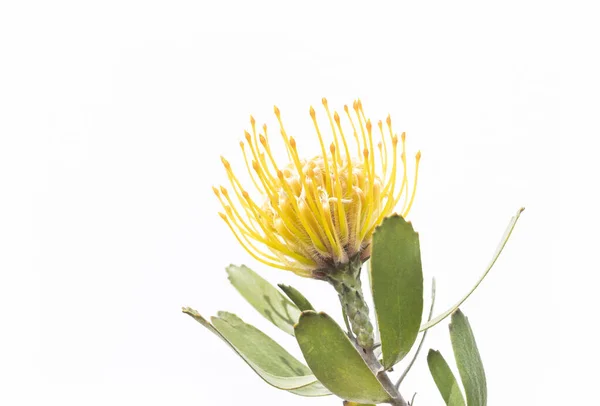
[(468, 360), (444, 379), (503, 241), (296, 297), (335, 361), (267, 358), (397, 284), (264, 297), (414, 358)]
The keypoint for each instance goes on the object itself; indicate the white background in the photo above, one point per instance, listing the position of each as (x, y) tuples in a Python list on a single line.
[(113, 116)]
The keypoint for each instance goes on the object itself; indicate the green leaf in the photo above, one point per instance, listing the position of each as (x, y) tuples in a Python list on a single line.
[(414, 358), (468, 360), (503, 241), (444, 379), (264, 297), (267, 358), (296, 297), (397, 284), (335, 361)]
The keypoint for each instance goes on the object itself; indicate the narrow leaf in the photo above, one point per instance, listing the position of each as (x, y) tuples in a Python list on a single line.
[(503, 241), (444, 379), (335, 361), (397, 284), (468, 360), (267, 358), (264, 297), (296, 297)]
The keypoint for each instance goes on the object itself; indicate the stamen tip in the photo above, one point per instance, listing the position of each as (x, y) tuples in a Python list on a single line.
[(324, 101), (225, 162), (418, 156), (276, 110), (312, 112)]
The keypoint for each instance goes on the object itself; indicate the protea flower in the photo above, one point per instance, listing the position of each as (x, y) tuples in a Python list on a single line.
[(316, 216)]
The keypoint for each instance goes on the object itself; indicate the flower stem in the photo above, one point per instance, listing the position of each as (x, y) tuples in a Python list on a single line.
[(346, 281), (383, 378)]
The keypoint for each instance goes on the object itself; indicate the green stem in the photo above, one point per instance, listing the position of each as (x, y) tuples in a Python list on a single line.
[(346, 281)]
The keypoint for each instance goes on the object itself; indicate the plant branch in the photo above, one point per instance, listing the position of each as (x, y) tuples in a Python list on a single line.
[(383, 378)]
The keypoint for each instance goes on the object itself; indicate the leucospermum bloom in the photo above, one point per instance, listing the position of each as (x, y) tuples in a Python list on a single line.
[(316, 214)]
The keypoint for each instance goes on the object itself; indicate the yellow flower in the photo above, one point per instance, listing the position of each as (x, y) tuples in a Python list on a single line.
[(315, 215)]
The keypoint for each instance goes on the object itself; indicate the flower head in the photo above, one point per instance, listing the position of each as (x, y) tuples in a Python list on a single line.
[(316, 214)]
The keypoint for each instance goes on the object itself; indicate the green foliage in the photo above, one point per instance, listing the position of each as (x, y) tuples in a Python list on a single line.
[(296, 297), (335, 361), (423, 336), (344, 363), (468, 360), (469, 365), (503, 241), (444, 379), (264, 297), (397, 284), (267, 358)]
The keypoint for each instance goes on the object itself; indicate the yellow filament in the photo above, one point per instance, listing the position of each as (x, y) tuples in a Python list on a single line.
[(347, 110), (312, 196), (336, 116), (302, 215), (338, 157), (385, 152), (412, 197), (256, 185), (255, 256), (339, 204), (324, 154)]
